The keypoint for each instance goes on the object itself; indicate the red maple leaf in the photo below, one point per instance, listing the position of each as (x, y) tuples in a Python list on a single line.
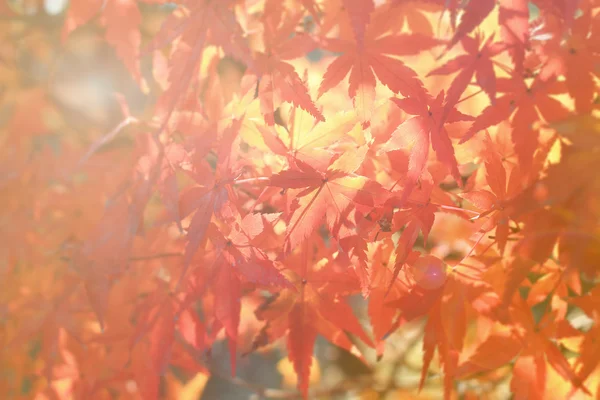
[(213, 193), (495, 204), (316, 305), (308, 140), (473, 15), (529, 340), (526, 104), (196, 24), (477, 62), (574, 57), (322, 195), (425, 128), (514, 29), (375, 56), (277, 79), (445, 295)]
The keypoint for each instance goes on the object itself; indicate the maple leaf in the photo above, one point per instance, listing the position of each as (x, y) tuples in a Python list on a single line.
[(478, 63), (122, 20), (590, 346), (353, 251), (416, 216), (196, 24), (496, 203), (566, 10), (416, 302), (375, 56), (162, 336), (308, 140), (529, 377), (192, 329), (237, 260), (43, 320), (384, 288), (240, 250), (555, 281), (487, 357), (514, 29), (473, 15), (104, 255), (427, 126), (359, 12), (323, 195), (574, 58), (573, 229), (212, 194), (440, 292), (278, 80), (207, 199), (538, 340), (168, 187), (150, 342), (300, 342), (315, 305), (526, 104), (544, 226)]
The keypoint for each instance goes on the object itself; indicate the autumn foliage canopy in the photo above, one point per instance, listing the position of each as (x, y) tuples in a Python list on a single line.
[(192, 188)]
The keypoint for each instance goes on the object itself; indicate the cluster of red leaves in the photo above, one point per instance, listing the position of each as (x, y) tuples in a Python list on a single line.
[(259, 182)]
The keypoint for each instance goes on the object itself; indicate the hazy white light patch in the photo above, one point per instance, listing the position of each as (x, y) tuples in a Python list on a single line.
[(90, 94), (55, 7)]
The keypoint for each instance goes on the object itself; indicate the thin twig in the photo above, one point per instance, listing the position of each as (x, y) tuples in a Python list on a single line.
[(107, 138)]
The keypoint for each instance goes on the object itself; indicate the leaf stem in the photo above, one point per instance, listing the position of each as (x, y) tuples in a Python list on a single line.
[(456, 209), (469, 96), (252, 180)]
